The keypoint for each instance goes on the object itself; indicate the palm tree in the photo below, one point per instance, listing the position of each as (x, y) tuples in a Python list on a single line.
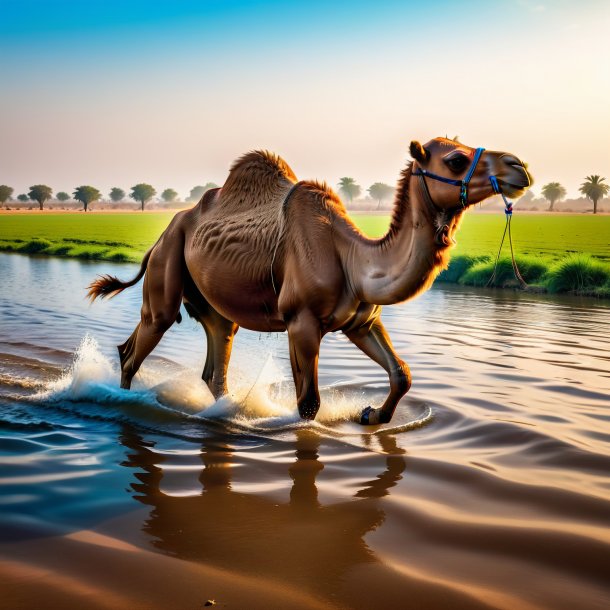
[(349, 189), (552, 192), (594, 188)]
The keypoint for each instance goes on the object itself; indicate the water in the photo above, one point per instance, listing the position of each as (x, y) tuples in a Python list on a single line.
[(489, 488)]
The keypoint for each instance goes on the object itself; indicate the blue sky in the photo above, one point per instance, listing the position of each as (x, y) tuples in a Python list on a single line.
[(113, 93)]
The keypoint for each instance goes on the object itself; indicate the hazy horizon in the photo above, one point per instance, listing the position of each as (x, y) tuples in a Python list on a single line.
[(171, 94)]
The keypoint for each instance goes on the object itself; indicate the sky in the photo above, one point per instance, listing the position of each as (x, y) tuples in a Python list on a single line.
[(118, 92)]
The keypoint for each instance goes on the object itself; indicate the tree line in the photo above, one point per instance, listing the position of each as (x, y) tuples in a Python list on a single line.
[(594, 188), (87, 194)]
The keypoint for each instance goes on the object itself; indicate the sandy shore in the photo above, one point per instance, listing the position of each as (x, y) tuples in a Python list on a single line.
[(91, 569)]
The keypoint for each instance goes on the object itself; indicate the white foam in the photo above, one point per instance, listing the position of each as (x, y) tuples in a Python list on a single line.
[(89, 370), (185, 392), (259, 403)]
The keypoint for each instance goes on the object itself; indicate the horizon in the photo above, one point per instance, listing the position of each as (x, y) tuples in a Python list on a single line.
[(170, 95)]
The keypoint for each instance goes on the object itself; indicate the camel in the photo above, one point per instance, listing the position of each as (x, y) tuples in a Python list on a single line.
[(270, 253)]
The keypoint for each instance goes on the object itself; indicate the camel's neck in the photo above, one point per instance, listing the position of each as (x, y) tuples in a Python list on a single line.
[(405, 260)]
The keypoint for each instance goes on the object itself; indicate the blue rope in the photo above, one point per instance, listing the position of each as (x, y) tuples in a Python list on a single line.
[(508, 211)]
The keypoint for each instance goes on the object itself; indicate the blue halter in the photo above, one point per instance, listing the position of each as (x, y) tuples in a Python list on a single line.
[(463, 184)]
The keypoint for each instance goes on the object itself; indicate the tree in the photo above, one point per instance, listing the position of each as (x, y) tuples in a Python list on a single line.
[(380, 192), (62, 196), (594, 189), (527, 198), (349, 189), (552, 192), (6, 192), (197, 192), (142, 192), (23, 197), (169, 195), (40, 193), (86, 195), (117, 194)]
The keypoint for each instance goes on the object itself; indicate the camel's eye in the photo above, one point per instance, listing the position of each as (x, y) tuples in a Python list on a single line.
[(457, 162)]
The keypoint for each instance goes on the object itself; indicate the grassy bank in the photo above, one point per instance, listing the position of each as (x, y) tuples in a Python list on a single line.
[(122, 237), (563, 253), (576, 273)]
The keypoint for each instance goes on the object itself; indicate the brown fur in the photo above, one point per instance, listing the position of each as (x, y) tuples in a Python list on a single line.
[(247, 256)]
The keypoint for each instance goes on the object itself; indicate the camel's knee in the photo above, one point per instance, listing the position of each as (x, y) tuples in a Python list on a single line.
[(158, 323), (400, 378)]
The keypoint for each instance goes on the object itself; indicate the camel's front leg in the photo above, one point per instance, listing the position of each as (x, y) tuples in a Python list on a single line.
[(373, 340), (304, 338)]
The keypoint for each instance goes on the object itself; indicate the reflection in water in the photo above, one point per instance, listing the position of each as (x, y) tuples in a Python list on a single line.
[(301, 540), (391, 475)]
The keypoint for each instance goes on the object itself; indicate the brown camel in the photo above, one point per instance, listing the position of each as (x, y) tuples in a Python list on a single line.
[(271, 254)]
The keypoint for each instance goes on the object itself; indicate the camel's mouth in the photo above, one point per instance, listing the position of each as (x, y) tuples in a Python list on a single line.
[(513, 191), (515, 184)]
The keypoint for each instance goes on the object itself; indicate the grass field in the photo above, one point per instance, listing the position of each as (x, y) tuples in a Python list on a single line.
[(546, 245), (545, 235)]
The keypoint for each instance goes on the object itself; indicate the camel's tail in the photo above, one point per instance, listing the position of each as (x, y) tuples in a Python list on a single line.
[(108, 286)]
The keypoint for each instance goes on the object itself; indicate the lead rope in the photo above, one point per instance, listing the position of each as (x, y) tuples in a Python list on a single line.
[(508, 211)]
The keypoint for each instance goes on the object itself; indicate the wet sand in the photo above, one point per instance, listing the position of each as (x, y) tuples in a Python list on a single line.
[(489, 490)]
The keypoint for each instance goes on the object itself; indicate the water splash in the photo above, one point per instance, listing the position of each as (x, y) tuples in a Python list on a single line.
[(263, 404), (91, 376)]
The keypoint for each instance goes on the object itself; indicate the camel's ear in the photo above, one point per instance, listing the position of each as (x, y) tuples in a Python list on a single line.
[(418, 152)]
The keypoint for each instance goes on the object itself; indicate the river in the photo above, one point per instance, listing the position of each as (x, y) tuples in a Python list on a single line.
[(489, 489)]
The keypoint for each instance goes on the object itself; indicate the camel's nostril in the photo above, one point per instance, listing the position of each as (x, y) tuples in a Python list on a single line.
[(512, 161)]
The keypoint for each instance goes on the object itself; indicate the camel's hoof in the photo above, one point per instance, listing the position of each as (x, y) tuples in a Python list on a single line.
[(365, 416), (374, 417)]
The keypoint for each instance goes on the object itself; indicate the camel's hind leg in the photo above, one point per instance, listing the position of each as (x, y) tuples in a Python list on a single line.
[(219, 333), (374, 341), (162, 295)]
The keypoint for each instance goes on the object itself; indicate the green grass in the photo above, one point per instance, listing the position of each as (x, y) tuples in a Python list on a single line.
[(554, 253), (117, 237), (578, 272), (547, 235), (558, 253), (532, 270)]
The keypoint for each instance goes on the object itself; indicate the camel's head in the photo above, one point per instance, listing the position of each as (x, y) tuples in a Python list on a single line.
[(452, 159), (454, 176)]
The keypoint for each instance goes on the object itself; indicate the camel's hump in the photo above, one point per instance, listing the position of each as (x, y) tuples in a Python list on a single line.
[(258, 166)]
